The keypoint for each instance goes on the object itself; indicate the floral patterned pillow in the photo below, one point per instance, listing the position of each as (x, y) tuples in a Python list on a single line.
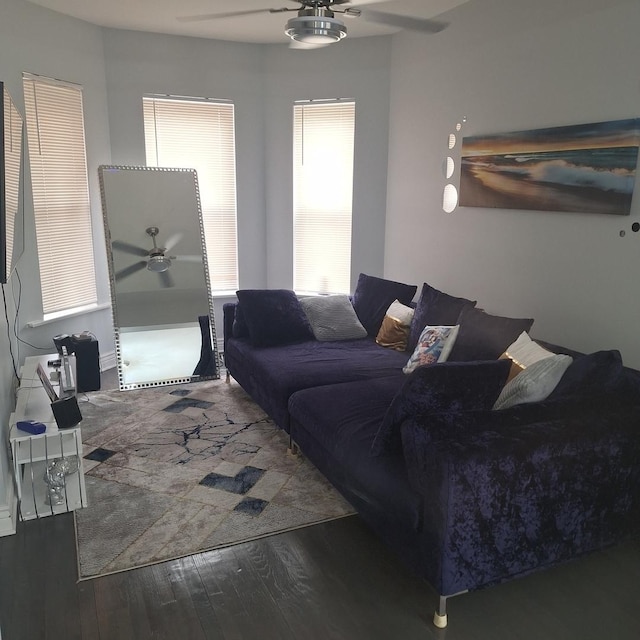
[(434, 345)]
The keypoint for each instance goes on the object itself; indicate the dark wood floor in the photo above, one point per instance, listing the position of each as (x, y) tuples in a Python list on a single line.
[(330, 581)]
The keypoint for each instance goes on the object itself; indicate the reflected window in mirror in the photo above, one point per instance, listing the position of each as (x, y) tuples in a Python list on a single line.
[(11, 232), (199, 133)]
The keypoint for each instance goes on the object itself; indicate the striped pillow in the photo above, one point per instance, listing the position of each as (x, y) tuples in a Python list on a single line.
[(535, 383)]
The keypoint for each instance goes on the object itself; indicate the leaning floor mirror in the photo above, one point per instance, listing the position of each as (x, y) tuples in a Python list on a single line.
[(160, 295)]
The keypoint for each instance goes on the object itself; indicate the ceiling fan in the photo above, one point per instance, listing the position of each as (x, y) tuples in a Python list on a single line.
[(156, 258), (316, 25)]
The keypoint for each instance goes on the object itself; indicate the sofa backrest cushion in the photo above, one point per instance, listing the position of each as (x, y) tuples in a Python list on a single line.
[(447, 387), (373, 296), (273, 317), (591, 375), (483, 336), (239, 328), (435, 308), (332, 318)]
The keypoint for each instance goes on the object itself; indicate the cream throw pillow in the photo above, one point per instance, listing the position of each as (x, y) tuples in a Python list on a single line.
[(523, 353)]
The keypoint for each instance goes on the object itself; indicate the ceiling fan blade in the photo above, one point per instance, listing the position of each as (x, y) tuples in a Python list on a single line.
[(404, 22), (165, 279), (187, 258), (172, 241), (229, 14), (129, 248), (130, 270)]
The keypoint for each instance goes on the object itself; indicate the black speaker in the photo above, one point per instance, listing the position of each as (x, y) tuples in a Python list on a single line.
[(63, 340), (87, 364), (66, 412)]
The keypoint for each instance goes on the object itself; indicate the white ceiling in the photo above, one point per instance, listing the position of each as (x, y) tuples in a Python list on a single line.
[(159, 16)]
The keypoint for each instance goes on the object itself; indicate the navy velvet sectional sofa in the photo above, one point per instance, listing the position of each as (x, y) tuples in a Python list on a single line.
[(466, 495)]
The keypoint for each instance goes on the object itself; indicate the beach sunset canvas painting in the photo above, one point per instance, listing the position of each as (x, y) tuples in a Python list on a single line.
[(589, 168)]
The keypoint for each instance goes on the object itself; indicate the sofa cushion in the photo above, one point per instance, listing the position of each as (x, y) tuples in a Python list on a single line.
[(485, 337), (534, 383), (523, 353), (332, 318), (435, 308), (272, 374), (273, 317), (335, 426), (394, 330), (441, 388), (373, 296), (434, 345), (591, 375), (361, 404)]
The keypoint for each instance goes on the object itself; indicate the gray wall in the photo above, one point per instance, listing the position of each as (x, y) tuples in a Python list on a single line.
[(509, 65), (263, 81), (139, 63), (117, 67), (34, 39), (356, 69)]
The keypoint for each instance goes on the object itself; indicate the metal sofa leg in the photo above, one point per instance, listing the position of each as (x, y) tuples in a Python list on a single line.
[(440, 615), (440, 619), (228, 377), (293, 447)]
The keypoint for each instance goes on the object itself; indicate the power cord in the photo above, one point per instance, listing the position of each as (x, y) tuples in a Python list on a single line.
[(15, 325), (6, 315)]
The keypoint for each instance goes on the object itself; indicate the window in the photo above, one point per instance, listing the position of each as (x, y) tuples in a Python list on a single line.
[(323, 137), (55, 133), (200, 134)]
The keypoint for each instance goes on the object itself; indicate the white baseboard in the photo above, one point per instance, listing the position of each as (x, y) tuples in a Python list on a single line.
[(9, 513), (107, 360)]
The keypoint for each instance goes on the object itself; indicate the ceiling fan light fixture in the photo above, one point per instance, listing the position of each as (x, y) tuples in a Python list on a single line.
[(158, 264), (315, 29)]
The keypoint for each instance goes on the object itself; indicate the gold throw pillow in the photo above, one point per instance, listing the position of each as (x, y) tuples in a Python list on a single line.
[(393, 334), (395, 327)]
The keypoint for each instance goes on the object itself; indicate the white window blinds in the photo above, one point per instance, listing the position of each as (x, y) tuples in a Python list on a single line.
[(322, 196), (55, 132), (200, 135), (12, 134)]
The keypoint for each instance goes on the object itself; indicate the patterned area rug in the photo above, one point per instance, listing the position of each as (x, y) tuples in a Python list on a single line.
[(172, 471)]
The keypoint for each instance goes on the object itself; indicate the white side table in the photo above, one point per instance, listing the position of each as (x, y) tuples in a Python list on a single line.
[(33, 454)]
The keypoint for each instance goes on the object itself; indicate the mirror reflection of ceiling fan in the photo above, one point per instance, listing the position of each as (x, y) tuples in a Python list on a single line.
[(156, 258), (316, 25)]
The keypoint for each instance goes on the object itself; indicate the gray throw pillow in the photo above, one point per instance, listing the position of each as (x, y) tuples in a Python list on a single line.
[(332, 318)]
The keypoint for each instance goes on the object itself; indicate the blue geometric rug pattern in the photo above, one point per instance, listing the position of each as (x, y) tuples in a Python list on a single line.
[(172, 471)]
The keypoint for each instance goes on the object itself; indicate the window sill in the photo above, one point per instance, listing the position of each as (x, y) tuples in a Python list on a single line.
[(71, 314)]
